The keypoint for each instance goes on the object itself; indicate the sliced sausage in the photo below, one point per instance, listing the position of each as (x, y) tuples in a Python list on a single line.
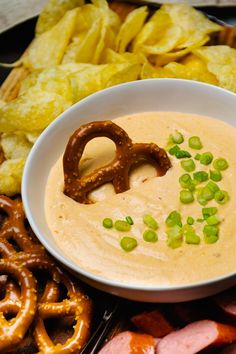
[(227, 302), (153, 323), (130, 342), (196, 337)]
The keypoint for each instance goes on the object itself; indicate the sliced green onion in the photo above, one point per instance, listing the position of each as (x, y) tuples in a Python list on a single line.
[(190, 220), (213, 187), (129, 220), (174, 149), (128, 244), (220, 164), (207, 212), (200, 176), (175, 237), (174, 218), (150, 236), (121, 225), (177, 137), (213, 220), (185, 180), (221, 197), (107, 223), (181, 154), (192, 238), (201, 200), (188, 165), (206, 158), (215, 175), (207, 193), (195, 143), (186, 197), (150, 222), (200, 220), (211, 233), (197, 157)]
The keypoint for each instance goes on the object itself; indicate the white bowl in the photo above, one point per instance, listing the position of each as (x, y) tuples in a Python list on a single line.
[(139, 96)]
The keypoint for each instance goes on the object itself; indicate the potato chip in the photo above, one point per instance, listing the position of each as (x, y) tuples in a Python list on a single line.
[(82, 48), (130, 28), (10, 176), (150, 72), (2, 103), (31, 111), (221, 54), (113, 18), (110, 56), (15, 145), (197, 72), (175, 55), (32, 136), (53, 12), (48, 49), (98, 77), (152, 31), (195, 26), (226, 74), (70, 68)]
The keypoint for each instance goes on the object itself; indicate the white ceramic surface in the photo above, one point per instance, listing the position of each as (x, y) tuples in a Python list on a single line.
[(139, 96)]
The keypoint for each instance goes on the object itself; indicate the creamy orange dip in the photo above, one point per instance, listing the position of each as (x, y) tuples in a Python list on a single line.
[(78, 229)]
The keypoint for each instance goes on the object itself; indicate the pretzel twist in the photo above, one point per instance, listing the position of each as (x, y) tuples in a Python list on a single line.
[(12, 331), (20, 264), (128, 154)]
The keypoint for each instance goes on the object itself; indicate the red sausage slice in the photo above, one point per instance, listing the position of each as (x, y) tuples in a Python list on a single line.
[(227, 302), (196, 337), (130, 343)]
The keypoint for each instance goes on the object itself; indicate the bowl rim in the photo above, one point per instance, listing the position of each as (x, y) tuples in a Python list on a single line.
[(63, 258)]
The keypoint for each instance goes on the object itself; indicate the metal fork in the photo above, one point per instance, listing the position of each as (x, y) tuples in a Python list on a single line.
[(100, 333)]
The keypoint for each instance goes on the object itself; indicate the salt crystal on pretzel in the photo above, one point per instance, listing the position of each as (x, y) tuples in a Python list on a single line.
[(128, 155)]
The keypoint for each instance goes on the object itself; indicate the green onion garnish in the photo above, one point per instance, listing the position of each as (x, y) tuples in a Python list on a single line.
[(220, 164), (128, 244), (174, 218), (200, 220), (207, 193), (175, 237), (188, 165), (107, 223), (221, 197), (185, 180), (215, 175), (192, 238), (186, 197), (174, 149), (211, 233), (197, 157), (121, 225), (201, 200), (213, 186), (129, 220), (213, 220), (195, 143), (190, 220), (200, 176), (207, 212), (177, 137), (150, 236), (150, 222), (181, 154), (206, 158)]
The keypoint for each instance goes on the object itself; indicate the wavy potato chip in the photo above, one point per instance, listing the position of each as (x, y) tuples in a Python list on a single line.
[(110, 56), (48, 49), (10, 176), (225, 74), (53, 11), (150, 72), (98, 77), (195, 26), (31, 111), (197, 71), (15, 145), (113, 18), (221, 54), (130, 28)]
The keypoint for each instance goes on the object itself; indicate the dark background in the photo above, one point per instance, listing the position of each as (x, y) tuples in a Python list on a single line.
[(14, 41)]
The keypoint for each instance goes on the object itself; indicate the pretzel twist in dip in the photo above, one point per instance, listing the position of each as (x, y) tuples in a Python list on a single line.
[(127, 156), (20, 295)]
